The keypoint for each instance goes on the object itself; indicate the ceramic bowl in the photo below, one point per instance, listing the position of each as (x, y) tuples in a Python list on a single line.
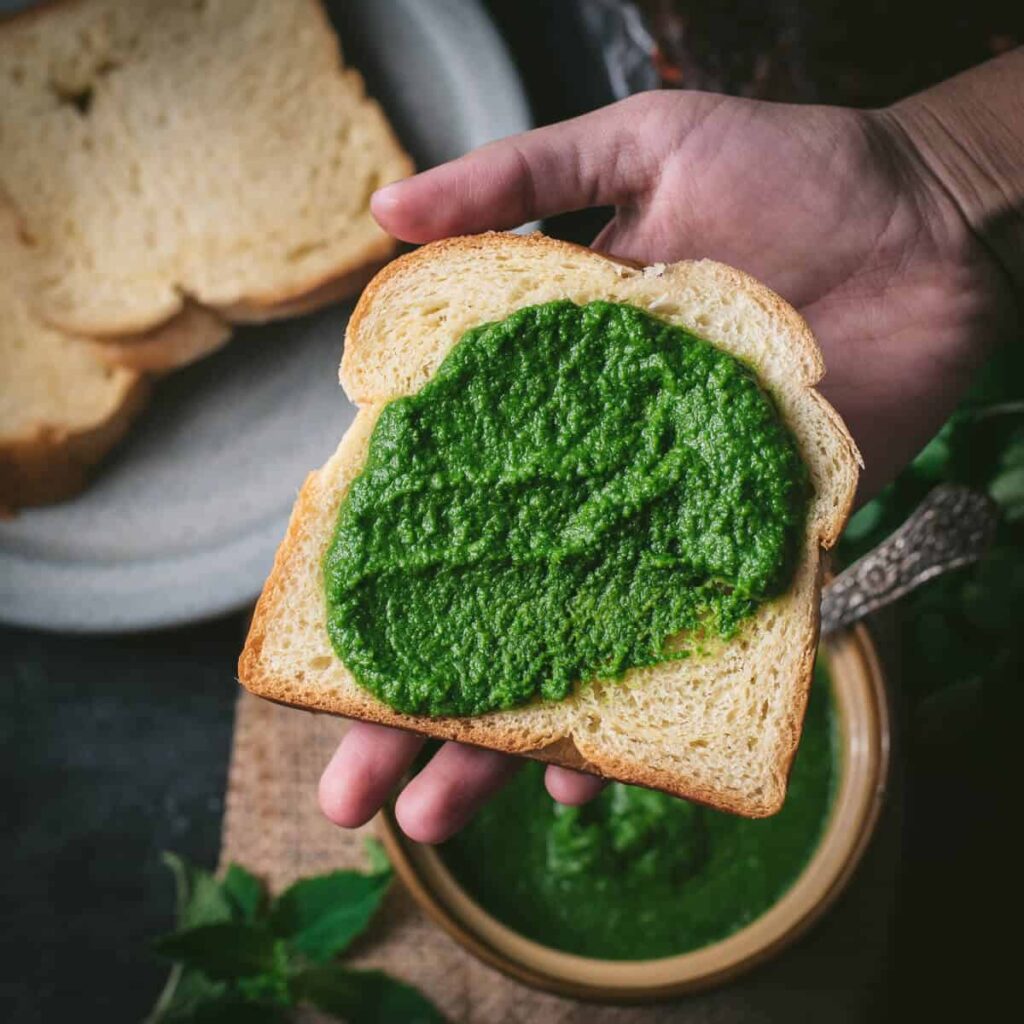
[(862, 714)]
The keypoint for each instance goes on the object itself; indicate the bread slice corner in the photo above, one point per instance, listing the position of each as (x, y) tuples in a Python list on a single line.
[(61, 407), (170, 156), (722, 728)]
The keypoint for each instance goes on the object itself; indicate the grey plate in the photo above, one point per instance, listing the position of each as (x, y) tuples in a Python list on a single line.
[(182, 522)]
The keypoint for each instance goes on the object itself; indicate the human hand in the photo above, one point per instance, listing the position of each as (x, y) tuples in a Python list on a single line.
[(832, 208)]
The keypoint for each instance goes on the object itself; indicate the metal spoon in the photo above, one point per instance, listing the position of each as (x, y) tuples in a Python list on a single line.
[(951, 528)]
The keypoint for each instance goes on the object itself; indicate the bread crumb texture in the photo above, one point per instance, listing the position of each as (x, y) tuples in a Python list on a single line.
[(721, 728), (212, 150)]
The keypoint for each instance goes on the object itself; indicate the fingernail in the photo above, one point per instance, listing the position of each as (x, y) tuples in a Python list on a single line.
[(384, 198)]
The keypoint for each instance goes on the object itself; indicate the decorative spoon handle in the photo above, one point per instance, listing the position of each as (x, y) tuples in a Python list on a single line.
[(952, 527)]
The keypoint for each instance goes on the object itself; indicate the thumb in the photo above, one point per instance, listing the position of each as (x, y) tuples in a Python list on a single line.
[(593, 160)]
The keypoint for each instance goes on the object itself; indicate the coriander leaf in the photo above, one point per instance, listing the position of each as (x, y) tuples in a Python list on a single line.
[(200, 898), (364, 997), (222, 951), (321, 916), (244, 890), (377, 856)]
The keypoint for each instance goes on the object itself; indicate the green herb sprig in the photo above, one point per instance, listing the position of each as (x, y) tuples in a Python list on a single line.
[(241, 957)]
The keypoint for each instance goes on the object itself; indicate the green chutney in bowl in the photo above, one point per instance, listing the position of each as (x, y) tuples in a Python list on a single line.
[(639, 896), (638, 874)]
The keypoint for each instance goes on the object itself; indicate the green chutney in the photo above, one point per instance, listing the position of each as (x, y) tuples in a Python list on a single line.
[(579, 490), (637, 874)]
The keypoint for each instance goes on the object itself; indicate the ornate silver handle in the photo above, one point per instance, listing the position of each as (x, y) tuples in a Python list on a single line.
[(952, 527)]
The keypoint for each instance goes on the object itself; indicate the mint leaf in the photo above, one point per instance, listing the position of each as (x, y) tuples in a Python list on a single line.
[(236, 1010), (244, 890), (1013, 453), (321, 916), (191, 998), (364, 997), (1008, 490), (933, 460), (185, 991), (864, 521), (376, 855), (200, 898), (232, 968), (222, 951)]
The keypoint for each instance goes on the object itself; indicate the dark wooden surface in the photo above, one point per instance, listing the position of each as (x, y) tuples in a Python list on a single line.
[(113, 749)]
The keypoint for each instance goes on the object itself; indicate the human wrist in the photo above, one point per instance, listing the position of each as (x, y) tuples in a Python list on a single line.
[(968, 134)]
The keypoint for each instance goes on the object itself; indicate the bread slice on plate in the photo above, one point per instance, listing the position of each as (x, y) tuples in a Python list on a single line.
[(720, 727), (189, 335), (214, 153), (61, 407)]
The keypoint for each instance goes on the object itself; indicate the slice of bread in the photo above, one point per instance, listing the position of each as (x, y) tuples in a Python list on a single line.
[(214, 152), (61, 407), (721, 728), (189, 335)]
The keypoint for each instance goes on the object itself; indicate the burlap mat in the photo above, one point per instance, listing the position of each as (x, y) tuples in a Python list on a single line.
[(273, 826)]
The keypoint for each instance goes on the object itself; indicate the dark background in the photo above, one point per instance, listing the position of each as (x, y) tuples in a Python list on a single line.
[(115, 748)]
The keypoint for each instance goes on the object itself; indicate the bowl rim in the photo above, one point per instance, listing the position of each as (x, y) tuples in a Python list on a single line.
[(864, 728)]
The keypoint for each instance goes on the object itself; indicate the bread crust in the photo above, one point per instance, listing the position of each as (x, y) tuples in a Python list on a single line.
[(188, 336), (257, 675), (48, 441), (50, 462), (198, 331), (477, 732), (264, 308)]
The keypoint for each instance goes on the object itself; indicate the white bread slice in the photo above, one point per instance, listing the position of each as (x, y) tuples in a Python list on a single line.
[(189, 335), (215, 151), (721, 728), (61, 407)]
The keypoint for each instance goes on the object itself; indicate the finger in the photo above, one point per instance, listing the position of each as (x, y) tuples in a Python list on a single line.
[(367, 766), (593, 160), (616, 238), (569, 787), (450, 790)]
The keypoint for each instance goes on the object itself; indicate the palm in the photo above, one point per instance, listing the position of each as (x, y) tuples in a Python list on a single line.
[(819, 204)]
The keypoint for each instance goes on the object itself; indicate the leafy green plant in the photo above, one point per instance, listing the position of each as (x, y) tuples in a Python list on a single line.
[(241, 957), (962, 632)]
